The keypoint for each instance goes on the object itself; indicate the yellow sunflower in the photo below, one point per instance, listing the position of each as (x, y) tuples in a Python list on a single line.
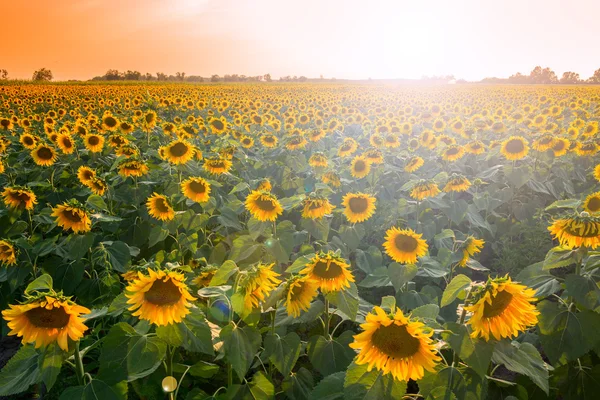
[(97, 186), (582, 230), (205, 276), (161, 297), (395, 345), (45, 320), (269, 140), (44, 155), (263, 205), (85, 175), (596, 172), (132, 168), (264, 185), (333, 179), (160, 208), (360, 167), (257, 283), (19, 197), (424, 189), (317, 160), (93, 142), (8, 253), (299, 293), (404, 245), (502, 309), (514, 148), (178, 152), (218, 125), (414, 164), (72, 215), (470, 247), (358, 207), (330, 271), (457, 183), (453, 153), (348, 147), (217, 166), (196, 189), (374, 156), (28, 141), (316, 207), (592, 203), (65, 143)]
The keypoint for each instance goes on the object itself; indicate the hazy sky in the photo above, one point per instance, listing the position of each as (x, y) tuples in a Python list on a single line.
[(472, 39)]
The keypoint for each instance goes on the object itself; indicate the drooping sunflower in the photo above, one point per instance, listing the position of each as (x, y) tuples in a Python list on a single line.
[(44, 155), (94, 142), (318, 160), (470, 247), (72, 215), (453, 153), (414, 164), (299, 293), (374, 156), (333, 179), (424, 189), (475, 147), (161, 297), (514, 148), (395, 345), (585, 149), (544, 143), (330, 271), (19, 197), (263, 205), (592, 203), (316, 207), (47, 319), (217, 166), (258, 282), (205, 276), (196, 189), (582, 230), (160, 208), (360, 167), (98, 186), (133, 168), (8, 253), (65, 143), (404, 245), (457, 183), (178, 152), (358, 207), (502, 309)]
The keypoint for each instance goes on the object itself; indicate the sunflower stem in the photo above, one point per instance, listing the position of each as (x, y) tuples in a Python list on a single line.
[(461, 321), (326, 327), (417, 226), (79, 371)]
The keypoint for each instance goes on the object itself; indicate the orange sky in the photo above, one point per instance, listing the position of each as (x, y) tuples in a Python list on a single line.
[(472, 39)]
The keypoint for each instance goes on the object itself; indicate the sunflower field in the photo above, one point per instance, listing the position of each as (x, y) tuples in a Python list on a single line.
[(299, 241)]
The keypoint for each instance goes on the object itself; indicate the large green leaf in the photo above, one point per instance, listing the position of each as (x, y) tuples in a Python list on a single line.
[(50, 362), (361, 384), (299, 384), (193, 333), (523, 358), (240, 345), (21, 371), (535, 277), (400, 274), (95, 390), (346, 300), (477, 353), (283, 352), (330, 355), (456, 285), (330, 388)]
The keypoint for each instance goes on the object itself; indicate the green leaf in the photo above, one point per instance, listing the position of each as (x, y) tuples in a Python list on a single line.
[(283, 352), (299, 263), (426, 311), (457, 284), (97, 202), (193, 333), (346, 300), (444, 239), (400, 274), (157, 234), (43, 282), (119, 256), (261, 388), (298, 385), (475, 352), (361, 384), (203, 369), (447, 383), (330, 355), (240, 345), (583, 289), (523, 358), (559, 257), (330, 388), (319, 228), (352, 235), (388, 303), (256, 227), (50, 363), (572, 204), (95, 390), (535, 277), (21, 371), (378, 278), (79, 245), (225, 271)]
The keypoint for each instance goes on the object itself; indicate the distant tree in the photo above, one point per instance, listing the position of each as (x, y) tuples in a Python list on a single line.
[(42, 74), (3, 74), (132, 75), (161, 76), (112, 75), (215, 78), (148, 76), (543, 76), (302, 79), (570, 78), (194, 78), (268, 78), (180, 76), (594, 78), (518, 78)]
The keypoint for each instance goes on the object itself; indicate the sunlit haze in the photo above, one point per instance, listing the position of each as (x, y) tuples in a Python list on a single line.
[(471, 39)]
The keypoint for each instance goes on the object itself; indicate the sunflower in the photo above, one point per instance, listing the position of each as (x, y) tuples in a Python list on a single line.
[(457, 183), (110, 123), (414, 164), (217, 166), (582, 230), (396, 345), (263, 205), (358, 207), (424, 189), (348, 147), (404, 245), (97, 186), (470, 247), (316, 207), (43, 155), (161, 297), (317, 160), (85, 175), (360, 167), (586, 149), (218, 125), (560, 147), (333, 179), (299, 293), (159, 207), (596, 172), (133, 168), (28, 141), (264, 185), (2, 168), (514, 148), (72, 215), (205, 276), (257, 283), (475, 147), (296, 142), (592, 203), (8, 253), (49, 319), (453, 153), (93, 142), (544, 143), (196, 189), (19, 197), (269, 140), (178, 152), (374, 156), (65, 143), (502, 309), (330, 271)]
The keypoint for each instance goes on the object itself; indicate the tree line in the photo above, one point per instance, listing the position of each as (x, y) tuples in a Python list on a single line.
[(546, 76)]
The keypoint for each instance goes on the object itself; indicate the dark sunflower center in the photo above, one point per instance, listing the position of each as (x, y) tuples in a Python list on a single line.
[(559, 146), (28, 141), (163, 293), (315, 205), (110, 122), (296, 291), (265, 205), (360, 166), (499, 304), (4, 249), (269, 139), (515, 146), (5, 123), (93, 140), (161, 205), (87, 175), (587, 229), (197, 187), (218, 124), (358, 204), (72, 216), (21, 196), (217, 164), (42, 318), (66, 142), (45, 153), (395, 341), (405, 243), (453, 151), (322, 271), (149, 118), (178, 149), (594, 204)]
